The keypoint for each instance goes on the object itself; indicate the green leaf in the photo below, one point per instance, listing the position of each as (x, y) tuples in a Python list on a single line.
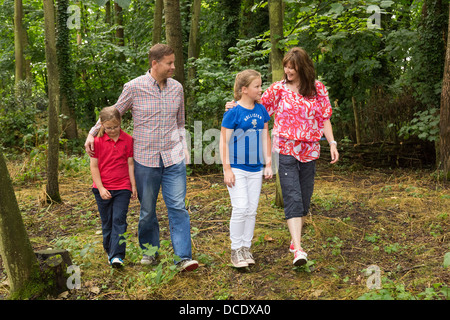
[(447, 260)]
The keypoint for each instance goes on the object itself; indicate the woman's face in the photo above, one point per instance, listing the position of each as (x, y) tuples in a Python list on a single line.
[(291, 73)]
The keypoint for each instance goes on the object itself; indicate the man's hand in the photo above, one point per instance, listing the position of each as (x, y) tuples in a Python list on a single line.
[(89, 145)]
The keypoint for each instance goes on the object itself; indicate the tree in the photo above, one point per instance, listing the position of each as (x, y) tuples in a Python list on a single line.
[(193, 50), (157, 21), (17, 254), (276, 61), (66, 72), (53, 102), (174, 35), (22, 65), (445, 114)]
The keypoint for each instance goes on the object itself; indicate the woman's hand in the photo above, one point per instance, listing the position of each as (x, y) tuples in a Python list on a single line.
[(229, 178), (334, 153)]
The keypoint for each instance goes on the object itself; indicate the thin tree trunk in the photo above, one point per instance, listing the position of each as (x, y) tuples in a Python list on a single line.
[(157, 21), (193, 52), (174, 35), (53, 102), (276, 62), (445, 114), (356, 118)]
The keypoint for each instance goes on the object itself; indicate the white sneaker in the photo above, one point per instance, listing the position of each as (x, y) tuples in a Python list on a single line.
[(248, 255), (116, 262), (188, 265), (148, 260), (237, 258), (299, 258)]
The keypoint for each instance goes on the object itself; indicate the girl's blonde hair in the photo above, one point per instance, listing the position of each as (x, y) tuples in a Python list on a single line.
[(243, 79), (108, 114)]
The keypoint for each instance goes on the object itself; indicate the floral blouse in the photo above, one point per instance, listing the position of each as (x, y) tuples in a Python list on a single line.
[(299, 120)]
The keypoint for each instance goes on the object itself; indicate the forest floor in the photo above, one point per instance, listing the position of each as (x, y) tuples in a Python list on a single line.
[(395, 221)]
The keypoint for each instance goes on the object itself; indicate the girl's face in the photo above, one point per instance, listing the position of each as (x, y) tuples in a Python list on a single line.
[(291, 73), (112, 128), (254, 89)]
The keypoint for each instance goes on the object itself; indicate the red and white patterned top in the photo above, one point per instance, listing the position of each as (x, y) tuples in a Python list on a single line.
[(299, 120)]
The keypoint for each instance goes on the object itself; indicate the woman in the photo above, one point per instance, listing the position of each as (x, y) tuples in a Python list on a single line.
[(302, 115)]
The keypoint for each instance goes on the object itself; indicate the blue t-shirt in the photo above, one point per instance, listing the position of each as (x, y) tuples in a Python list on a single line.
[(245, 145)]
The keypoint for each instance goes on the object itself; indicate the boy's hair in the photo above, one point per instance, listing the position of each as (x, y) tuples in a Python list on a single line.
[(108, 114), (243, 79), (304, 66), (158, 52)]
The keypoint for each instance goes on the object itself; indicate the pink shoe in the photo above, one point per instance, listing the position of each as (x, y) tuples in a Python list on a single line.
[(299, 258), (291, 247)]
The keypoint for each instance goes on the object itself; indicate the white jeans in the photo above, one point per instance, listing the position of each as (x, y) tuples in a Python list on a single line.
[(244, 197)]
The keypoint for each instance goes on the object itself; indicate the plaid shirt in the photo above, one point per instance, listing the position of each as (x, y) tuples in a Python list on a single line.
[(158, 120)]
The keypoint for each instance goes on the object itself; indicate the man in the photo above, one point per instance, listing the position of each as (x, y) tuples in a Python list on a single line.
[(156, 101)]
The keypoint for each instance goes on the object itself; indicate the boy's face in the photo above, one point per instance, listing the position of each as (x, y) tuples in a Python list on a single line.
[(164, 68), (112, 128)]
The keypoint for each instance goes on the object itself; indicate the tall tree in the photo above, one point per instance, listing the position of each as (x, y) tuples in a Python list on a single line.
[(445, 113), (17, 254), (276, 62), (174, 35), (193, 51), (118, 14), (22, 65), (53, 102), (66, 72), (157, 21), (276, 34)]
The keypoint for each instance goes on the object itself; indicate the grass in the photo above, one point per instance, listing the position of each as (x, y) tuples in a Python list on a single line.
[(397, 220)]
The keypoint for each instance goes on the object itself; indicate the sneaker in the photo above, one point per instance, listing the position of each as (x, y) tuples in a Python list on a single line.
[(188, 265), (237, 258), (116, 262), (148, 260), (299, 258), (291, 247), (248, 257)]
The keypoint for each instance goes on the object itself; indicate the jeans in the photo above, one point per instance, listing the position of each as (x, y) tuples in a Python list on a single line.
[(297, 185), (172, 181), (113, 214), (244, 197)]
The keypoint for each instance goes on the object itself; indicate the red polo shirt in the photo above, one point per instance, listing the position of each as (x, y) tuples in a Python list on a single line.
[(113, 160)]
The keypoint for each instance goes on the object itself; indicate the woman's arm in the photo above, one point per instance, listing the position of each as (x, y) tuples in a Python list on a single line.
[(328, 132)]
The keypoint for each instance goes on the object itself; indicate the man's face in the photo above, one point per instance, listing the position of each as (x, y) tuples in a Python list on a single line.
[(165, 67)]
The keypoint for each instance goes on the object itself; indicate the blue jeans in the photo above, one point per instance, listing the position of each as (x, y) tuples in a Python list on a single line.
[(113, 213), (172, 181)]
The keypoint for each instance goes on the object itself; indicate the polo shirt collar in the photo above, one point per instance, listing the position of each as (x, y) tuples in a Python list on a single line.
[(107, 138)]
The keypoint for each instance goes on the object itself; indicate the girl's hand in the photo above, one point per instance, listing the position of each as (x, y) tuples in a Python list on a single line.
[(104, 194), (268, 174), (229, 178), (134, 193)]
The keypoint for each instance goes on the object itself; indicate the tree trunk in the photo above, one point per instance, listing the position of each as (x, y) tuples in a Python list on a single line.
[(356, 118), (17, 254), (53, 102), (22, 65), (276, 34), (174, 35), (193, 52), (66, 73), (445, 114), (157, 21), (119, 21), (276, 62)]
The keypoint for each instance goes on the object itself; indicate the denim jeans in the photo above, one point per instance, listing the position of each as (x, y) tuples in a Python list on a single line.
[(172, 181), (244, 197), (113, 214)]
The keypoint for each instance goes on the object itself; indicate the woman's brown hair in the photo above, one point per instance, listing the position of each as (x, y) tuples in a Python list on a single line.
[(108, 114), (302, 63)]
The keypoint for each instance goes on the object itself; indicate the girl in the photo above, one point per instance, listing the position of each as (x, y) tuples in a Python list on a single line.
[(112, 169), (245, 154)]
